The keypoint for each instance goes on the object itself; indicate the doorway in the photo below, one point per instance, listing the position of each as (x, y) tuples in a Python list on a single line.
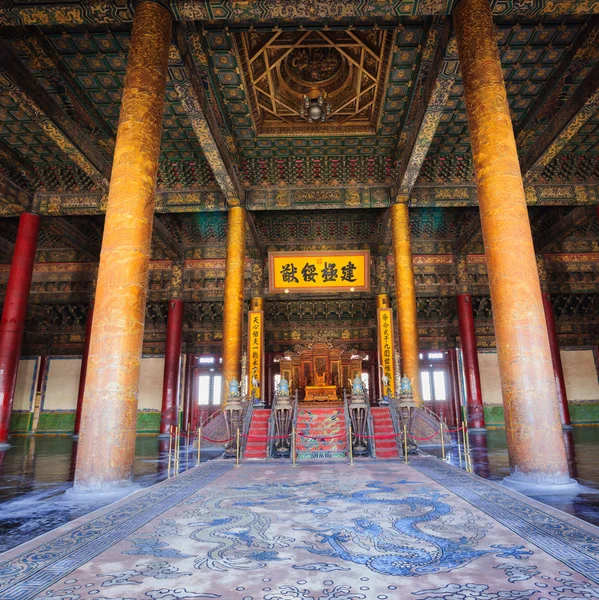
[(208, 388), (435, 382)]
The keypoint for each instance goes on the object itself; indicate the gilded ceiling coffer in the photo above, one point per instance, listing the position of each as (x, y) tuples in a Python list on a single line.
[(296, 79)]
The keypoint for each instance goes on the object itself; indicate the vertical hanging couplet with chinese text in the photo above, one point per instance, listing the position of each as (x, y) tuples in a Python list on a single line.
[(255, 348), (386, 345)]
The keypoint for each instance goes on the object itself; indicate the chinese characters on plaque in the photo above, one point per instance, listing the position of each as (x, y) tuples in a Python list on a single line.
[(385, 331), (317, 271), (255, 338)]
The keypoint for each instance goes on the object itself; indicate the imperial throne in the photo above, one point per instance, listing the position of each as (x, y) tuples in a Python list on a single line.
[(321, 372), (320, 391)]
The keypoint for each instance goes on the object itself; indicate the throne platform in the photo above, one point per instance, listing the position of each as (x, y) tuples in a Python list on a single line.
[(321, 372)]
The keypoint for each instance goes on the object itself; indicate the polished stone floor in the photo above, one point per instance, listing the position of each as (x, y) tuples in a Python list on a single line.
[(490, 460), (36, 470)]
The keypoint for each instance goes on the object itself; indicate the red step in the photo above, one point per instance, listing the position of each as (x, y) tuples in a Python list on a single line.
[(383, 425), (256, 448)]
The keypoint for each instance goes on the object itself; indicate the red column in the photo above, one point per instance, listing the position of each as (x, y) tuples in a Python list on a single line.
[(172, 366), (195, 407), (476, 416), (42, 373), (558, 371), (187, 392), (83, 372), (14, 312), (480, 454), (456, 408), (372, 380), (571, 452), (377, 380)]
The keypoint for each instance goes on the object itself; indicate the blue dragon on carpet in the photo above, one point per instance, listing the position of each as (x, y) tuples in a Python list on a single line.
[(405, 536), (398, 558)]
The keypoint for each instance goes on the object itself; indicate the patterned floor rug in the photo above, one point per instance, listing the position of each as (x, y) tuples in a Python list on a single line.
[(322, 531)]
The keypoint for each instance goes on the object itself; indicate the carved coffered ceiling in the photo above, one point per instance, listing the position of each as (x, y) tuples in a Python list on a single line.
[(348, 67)]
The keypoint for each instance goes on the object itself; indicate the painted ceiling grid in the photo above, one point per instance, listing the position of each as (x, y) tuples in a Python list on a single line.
[(255, 60)]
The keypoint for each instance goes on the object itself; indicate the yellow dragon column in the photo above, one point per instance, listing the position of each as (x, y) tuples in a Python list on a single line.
[(533, 427), (233, 306), (109, 412), (405, 297)]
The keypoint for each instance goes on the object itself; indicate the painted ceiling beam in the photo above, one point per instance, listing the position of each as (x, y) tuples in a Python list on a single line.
[(71, 235), (109, 12), (563, 228), (567, 122), (202, 200), (440, 52), (468, 234), (537, 194), (22, 86), (329, 243), (191, 90), (173, 249)]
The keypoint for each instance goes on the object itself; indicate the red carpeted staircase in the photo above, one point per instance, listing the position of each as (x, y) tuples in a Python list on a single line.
[(327, 421), (255, 446), (383, 425)]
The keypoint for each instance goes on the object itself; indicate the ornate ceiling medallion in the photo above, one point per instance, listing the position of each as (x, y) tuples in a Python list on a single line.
[(315, 109), (299, 80)]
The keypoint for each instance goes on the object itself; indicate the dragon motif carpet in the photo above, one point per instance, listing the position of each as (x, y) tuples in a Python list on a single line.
[(321, 433), (322, 531)]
